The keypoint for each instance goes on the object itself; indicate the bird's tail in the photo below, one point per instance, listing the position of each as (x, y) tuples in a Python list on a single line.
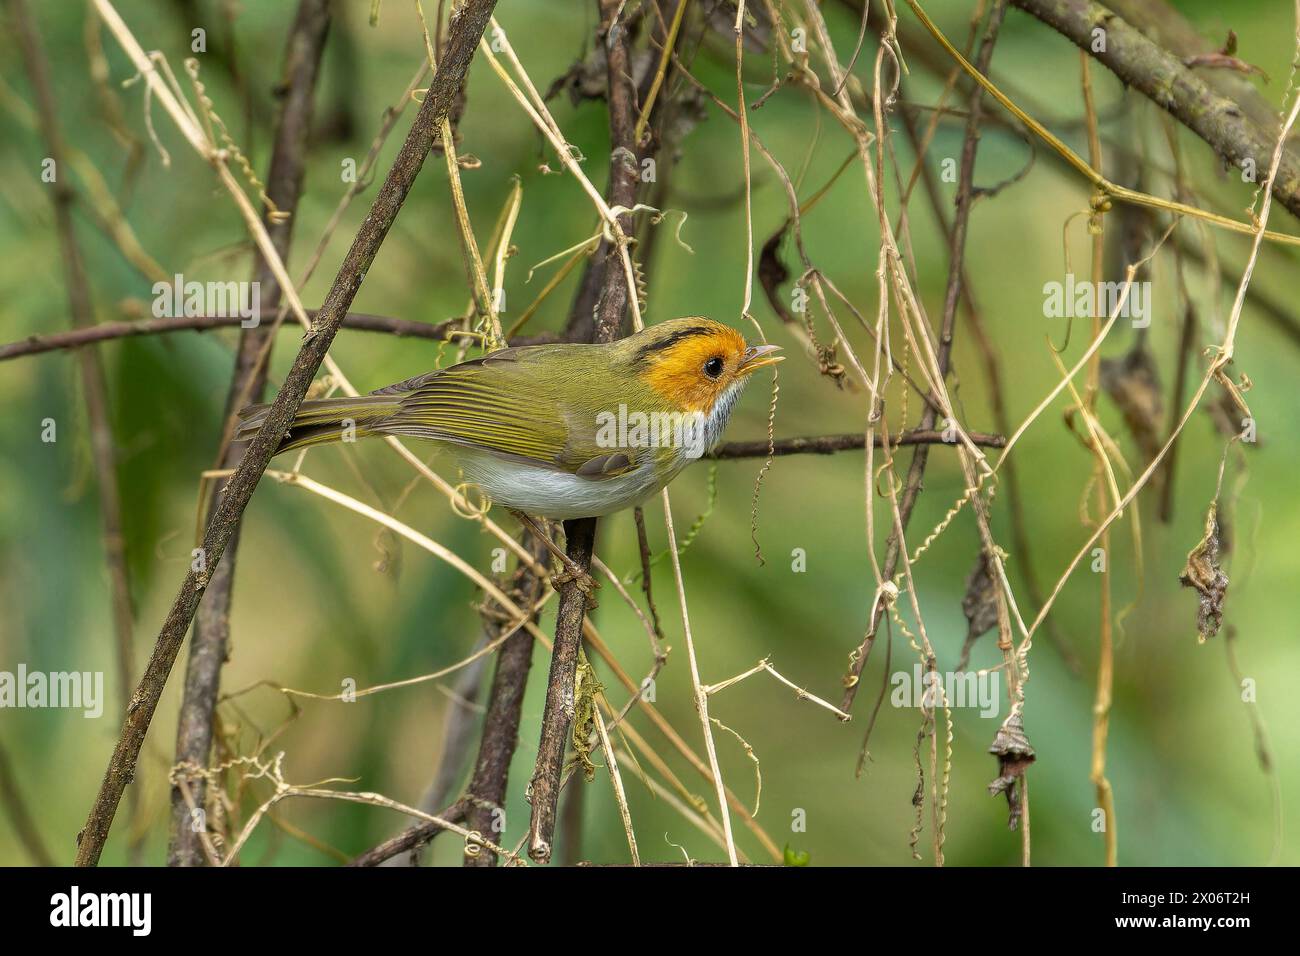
[(324, 420)]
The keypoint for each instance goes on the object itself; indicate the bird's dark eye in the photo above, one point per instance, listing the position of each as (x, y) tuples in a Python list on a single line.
[(713, 367)]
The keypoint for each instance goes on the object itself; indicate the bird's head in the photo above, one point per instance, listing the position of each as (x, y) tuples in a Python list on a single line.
[(696, 364)]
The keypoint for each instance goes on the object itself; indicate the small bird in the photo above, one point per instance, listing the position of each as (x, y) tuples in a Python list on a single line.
[(558, 431)]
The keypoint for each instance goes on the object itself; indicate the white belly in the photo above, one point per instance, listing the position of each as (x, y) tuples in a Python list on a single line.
[(555, 494)]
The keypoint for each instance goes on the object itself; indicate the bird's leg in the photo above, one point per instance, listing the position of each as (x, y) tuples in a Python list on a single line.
[(571, 571)]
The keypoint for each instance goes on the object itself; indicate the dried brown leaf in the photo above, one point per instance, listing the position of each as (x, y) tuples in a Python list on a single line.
[(980, 605), (1011, 747), (1204, 574), (1225, 59)]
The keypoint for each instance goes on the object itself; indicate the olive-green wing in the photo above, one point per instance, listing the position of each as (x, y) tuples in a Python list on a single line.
[(517, 403)]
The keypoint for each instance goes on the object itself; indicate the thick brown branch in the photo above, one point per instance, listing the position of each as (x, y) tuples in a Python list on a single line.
[(603, 295), (1167, 26), (466, 31), (601, 323), (486, 798), (1161, 77), (557, 714)]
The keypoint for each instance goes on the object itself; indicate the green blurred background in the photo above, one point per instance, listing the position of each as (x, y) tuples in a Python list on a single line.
[(311, 609)]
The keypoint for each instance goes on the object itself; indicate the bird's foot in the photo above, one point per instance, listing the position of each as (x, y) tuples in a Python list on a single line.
[(571, 573)]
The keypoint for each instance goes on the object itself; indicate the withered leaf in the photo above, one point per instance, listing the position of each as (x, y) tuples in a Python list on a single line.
[(772, 273), (1225, 58), (588, 78), (980, 605), (1011, 747), (1204, 574)]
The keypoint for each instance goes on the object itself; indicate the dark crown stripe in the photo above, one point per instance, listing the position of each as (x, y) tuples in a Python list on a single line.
[(669, 341)]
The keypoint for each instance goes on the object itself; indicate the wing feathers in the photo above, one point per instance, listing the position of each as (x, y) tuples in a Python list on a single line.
[(499, 404)]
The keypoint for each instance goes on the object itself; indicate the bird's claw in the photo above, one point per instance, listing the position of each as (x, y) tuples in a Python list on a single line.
[(570, 573)]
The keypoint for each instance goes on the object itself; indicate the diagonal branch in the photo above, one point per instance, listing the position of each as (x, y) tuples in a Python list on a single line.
[(208, 647), (602, 322), (1168, 27), (412, 837), (466, 30), (1163, 78)]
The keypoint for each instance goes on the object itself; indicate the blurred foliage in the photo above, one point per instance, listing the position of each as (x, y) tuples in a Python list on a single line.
[(311, 609)]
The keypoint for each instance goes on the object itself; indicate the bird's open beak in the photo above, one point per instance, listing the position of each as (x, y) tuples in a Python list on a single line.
[(757, 356)]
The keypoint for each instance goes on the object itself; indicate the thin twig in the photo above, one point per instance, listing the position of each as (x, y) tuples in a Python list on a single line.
[(997, 399), (829, 444), (701, 696), (765, 665), (616, 780), (109, 331), (412, 838), (1105, 649), (486, 795), (920, 458)]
